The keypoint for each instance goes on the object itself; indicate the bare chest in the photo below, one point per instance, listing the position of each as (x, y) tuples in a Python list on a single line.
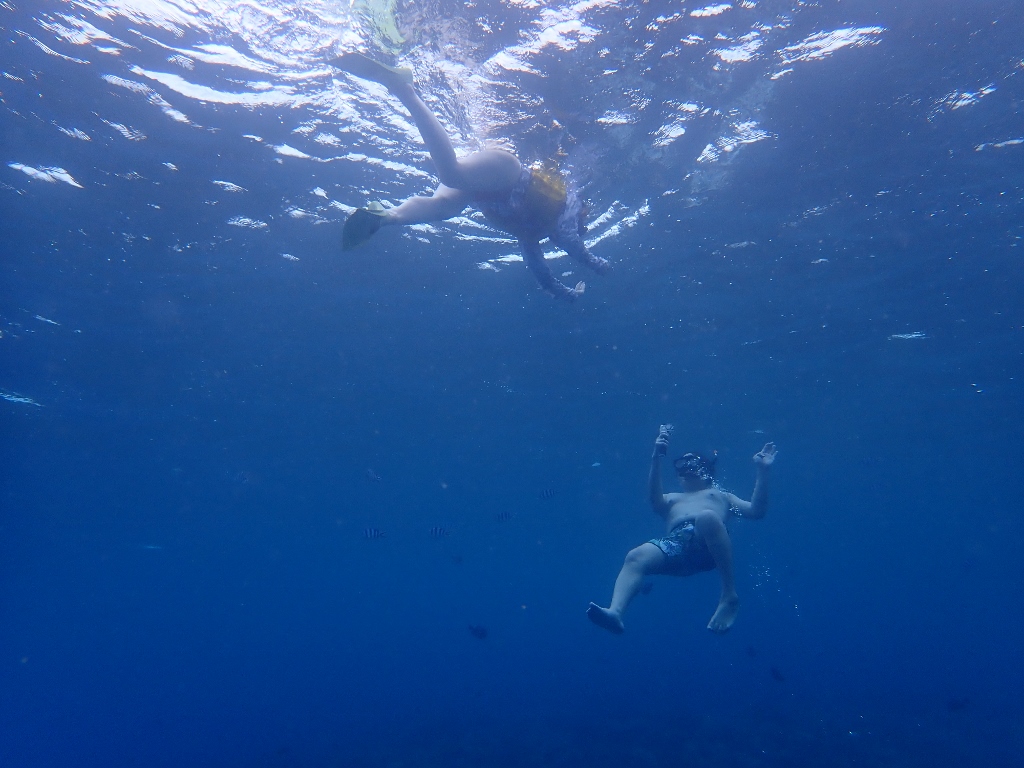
[(686, 506)]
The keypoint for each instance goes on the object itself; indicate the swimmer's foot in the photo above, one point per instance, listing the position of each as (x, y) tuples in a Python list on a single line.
[(363, 66), (605, 619), (362, 225), (724, 617)]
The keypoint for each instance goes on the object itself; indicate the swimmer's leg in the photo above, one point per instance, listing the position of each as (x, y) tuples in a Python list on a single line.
[(443, 204), (487, 171), (579, 253), (490, 170), (364, 222), (640, 562), (711, 528), (533, 255), (368, 69)]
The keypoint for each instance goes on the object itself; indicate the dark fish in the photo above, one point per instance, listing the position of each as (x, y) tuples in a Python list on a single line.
[(646, 587), (373, 533), (371, 475), (440, 531), (478, 631), (776, 675), (547, 493), (505, 516), (958, 704)]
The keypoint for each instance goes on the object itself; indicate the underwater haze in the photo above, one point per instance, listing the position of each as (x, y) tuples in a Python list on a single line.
[(267, 503)]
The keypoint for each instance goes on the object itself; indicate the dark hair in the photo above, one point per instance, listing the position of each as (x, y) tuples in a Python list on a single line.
[(697, 464)]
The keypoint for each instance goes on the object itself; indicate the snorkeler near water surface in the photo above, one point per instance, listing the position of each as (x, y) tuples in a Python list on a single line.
[(529, 203), (698, 537)]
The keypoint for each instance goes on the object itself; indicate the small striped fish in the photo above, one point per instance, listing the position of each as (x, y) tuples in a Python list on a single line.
[(373, 533), (440, 531), (547, 493), (504, 516)]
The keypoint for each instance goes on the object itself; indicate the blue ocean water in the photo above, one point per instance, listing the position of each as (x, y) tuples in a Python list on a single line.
[(256, 492)]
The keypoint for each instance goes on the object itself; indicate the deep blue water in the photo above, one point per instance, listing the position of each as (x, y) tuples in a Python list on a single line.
[(197, 432)]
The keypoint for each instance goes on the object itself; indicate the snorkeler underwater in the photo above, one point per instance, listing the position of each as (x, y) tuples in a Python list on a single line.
[(533, 204)]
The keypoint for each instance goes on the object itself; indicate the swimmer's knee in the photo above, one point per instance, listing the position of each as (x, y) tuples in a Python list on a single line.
[(644, 556)]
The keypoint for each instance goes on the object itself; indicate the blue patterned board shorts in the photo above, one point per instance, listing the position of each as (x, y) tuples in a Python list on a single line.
[(686, 551)]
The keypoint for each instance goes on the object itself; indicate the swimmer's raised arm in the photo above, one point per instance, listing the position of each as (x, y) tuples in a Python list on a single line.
[(657, 497), (757, 507)]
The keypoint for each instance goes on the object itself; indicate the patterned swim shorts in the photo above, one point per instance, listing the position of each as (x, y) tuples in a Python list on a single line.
[(686, 551)]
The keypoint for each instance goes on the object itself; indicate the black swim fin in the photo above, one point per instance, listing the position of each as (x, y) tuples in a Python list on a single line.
[(363, 66), (362, 225)]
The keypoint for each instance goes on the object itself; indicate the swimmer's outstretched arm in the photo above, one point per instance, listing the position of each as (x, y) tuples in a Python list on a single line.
[(657, 496), (533, 255), (579, 252), (757, 507)]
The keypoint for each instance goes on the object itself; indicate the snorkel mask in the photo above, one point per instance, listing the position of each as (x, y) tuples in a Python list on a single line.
[(695, 465)]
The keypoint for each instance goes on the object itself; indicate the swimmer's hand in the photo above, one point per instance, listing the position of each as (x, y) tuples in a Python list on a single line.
[(765, 456), (661, 444)]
